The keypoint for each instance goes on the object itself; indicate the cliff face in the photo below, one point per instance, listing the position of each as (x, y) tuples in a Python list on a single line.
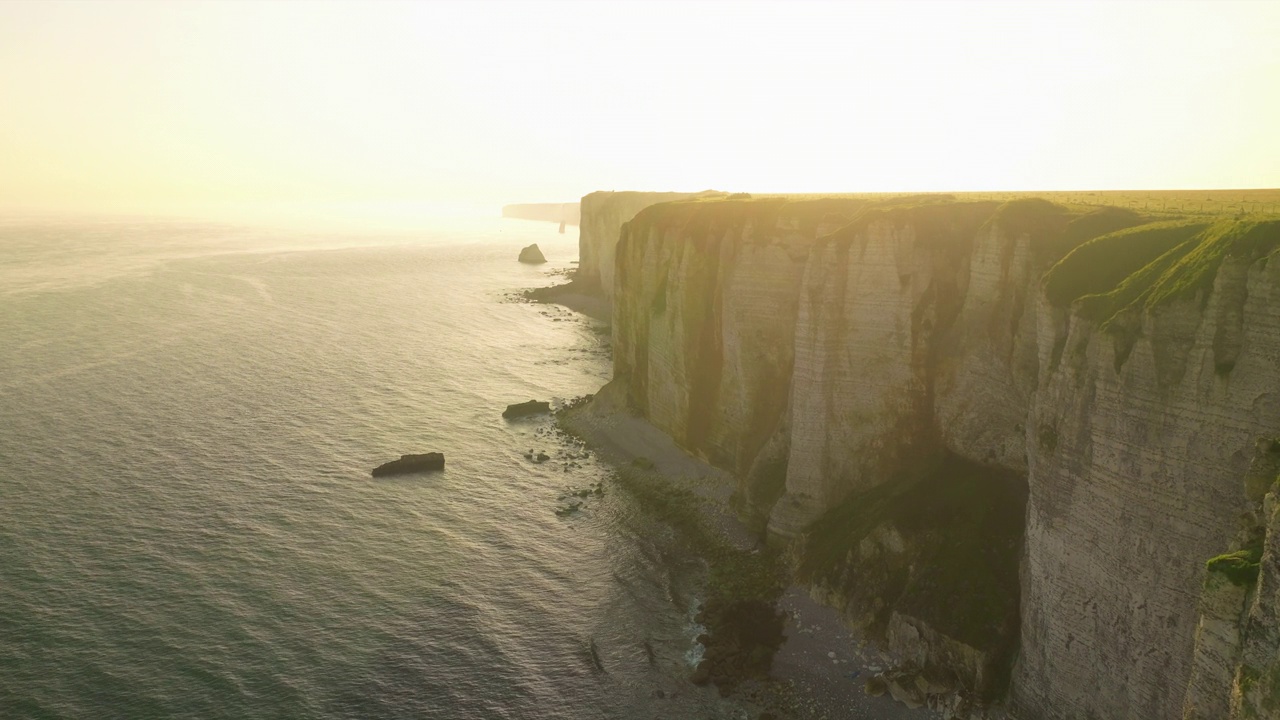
[(705, 316), (1236, 664), (603, 215), (837, 371), (1138, 436)]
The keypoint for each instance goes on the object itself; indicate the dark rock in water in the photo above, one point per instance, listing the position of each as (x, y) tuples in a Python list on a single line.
[(702, 674), (532, 255), (411, 464), (569, 509), (533, 407), (542, 457)]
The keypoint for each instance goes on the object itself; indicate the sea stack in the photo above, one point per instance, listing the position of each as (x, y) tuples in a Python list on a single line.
[(532, 255), (411, 464)]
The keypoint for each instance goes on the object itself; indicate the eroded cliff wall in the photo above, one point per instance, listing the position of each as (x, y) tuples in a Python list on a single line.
[(1236, 665), (705, 312), (834, 356), (602, 216), (1140, 429)]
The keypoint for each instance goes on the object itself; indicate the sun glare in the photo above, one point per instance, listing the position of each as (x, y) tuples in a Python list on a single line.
[(237, 107)]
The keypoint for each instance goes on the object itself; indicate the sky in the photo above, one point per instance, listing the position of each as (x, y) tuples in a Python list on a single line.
[(384, 108)]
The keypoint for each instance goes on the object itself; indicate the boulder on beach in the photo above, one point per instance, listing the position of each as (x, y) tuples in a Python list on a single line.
[(533, 407), (411, 464), (532, 255)]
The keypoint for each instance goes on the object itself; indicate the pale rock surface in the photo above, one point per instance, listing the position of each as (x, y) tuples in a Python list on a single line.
[(603, 215)]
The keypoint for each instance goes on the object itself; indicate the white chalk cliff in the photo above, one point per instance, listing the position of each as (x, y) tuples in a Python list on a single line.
[(602, 217), (835, 354)]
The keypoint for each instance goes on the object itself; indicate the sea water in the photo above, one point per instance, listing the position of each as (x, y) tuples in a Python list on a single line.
[(188, 527)]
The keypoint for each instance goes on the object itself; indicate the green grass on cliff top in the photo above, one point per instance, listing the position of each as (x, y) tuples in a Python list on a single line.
[(1102, 264), (1148, 266)]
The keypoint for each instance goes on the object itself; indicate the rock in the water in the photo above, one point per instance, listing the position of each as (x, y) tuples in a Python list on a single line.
[(533, 407), (411, 464), (532, 255)]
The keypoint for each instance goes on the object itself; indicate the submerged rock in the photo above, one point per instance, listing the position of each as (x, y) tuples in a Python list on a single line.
[(411, 464), (532, 255), (533, 407)]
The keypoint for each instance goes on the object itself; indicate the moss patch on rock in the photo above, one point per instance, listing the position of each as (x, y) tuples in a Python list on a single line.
[(1239, 567)]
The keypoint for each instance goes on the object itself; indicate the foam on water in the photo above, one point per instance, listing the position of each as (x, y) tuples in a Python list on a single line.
[(188, 528)]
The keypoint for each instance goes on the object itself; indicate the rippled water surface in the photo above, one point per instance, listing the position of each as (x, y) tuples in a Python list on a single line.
[(188, 528)]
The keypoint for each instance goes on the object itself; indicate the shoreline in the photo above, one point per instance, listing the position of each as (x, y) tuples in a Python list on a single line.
[(574, 295), (820, 668)]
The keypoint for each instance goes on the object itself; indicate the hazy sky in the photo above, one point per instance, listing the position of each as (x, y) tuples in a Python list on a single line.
[(415, 107)]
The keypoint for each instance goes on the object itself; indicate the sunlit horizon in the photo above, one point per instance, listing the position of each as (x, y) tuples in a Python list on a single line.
[(404, 111)]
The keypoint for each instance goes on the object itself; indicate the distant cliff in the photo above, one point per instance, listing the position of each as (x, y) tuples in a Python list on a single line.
[(568, 213), (1004, 437)]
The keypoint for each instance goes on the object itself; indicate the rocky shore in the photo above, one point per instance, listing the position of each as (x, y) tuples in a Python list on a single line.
[(768, 643), (574, 295)]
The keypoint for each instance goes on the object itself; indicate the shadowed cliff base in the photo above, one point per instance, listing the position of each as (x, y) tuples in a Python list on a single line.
[(766, 644), (930, 570)]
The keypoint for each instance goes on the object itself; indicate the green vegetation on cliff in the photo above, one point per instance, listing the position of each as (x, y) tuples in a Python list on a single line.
[(1240, 567), (1194, 273), (1101, 265), (1147, 266)]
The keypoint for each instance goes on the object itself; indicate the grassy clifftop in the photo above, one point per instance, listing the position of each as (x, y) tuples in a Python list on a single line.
[(1144, 267), (1101, 259)]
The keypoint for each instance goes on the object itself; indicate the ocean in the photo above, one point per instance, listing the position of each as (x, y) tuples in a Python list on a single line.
[(188, 528)]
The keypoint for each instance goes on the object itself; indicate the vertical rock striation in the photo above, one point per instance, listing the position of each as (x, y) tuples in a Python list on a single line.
[(1238, 609), (602, 216), (1141, 426), (705, 312), (859, 365)]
